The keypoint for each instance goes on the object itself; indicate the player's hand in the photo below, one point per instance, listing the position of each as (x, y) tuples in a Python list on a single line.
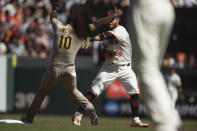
[(117, 13), (117, 53), (55, 6), (53, 14), (85, 44), (111, 54)]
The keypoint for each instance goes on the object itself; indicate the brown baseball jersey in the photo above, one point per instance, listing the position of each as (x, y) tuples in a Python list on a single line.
[(65, 47)]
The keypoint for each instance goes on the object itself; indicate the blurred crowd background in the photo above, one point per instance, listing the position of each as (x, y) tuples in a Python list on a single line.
[(25, 30)]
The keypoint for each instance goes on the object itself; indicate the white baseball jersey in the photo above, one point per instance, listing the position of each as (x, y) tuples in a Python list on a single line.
[(174, 81), (123, 43), (117, 67)]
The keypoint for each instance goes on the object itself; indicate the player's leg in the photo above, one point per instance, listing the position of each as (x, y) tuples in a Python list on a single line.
[(77, 116), (174, 95), (149, 26), (104, 78), (69, 80), (128, 79), (48, 82)]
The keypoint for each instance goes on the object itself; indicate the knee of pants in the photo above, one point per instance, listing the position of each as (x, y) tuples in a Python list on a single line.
[(97, 89)]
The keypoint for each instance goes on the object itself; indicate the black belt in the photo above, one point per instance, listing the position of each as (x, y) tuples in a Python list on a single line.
[(122, 64)]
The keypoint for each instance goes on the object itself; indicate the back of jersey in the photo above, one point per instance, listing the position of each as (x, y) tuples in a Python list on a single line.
[(65, 44)]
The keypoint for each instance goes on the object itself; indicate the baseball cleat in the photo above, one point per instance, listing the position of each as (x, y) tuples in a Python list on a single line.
[(26, 120), (76, 118), (136, 122), (93, 116)]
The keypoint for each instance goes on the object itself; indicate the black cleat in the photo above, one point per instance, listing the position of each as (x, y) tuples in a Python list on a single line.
[(26, 120)]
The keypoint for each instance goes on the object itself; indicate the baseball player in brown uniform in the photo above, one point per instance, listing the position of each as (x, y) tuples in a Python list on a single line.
[(62, 67)]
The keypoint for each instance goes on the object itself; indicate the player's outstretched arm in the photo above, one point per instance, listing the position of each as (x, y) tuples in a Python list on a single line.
[(105, 20), (55, 9), (102, 36), (53, 15), (54, 21)]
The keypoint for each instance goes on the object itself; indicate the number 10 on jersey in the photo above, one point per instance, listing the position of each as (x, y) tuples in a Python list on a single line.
[(65, 42)]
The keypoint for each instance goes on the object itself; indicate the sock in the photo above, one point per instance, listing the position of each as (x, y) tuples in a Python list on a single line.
[(135, 102)]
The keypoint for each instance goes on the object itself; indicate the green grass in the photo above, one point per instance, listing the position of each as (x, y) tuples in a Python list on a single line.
[(63, 123)]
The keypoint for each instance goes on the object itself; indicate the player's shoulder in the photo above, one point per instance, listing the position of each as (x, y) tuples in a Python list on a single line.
[(175, 76), (118, 29), (122, 28), (69, 26), (67, 29)]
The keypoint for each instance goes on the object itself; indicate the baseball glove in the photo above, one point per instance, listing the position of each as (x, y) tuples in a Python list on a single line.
[(85, 43), (55, 6)]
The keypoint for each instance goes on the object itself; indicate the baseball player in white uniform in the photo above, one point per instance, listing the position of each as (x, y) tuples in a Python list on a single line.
[(153, 21), (117, 67), (174, 85)]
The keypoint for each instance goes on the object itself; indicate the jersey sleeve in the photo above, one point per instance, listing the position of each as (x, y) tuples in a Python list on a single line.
[(119, 33), (56, 24)]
